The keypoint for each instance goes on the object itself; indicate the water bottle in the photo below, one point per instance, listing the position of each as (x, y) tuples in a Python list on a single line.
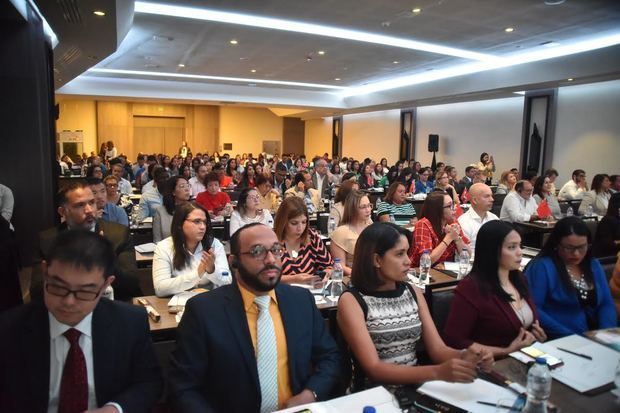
[(538, 387), (463, 264), (392, 219), (270, 223), (425, 267), (331, 204), (589, 211), (337, 287), (569, 211), (331, 226)]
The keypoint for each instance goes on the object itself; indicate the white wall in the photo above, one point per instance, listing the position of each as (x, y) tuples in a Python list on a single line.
[(467, 129), (373, 135), (587, 132)]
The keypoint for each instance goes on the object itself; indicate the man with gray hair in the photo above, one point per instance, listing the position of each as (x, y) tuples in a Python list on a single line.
[(320, 177)]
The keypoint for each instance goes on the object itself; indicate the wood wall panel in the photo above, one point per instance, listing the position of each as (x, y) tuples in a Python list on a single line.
[(113, 123), (293, 132), (206, 129)]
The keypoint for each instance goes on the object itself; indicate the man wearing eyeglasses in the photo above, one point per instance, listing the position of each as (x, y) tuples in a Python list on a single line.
[(77, 206), (519, 205), (254, 345), (74, 351)]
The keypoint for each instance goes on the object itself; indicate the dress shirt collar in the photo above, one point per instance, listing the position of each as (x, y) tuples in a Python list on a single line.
[(57, 328), (248, 298), (474, 215)]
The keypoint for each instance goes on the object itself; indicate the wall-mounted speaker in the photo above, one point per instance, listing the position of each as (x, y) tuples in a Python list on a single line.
[(433, 143)]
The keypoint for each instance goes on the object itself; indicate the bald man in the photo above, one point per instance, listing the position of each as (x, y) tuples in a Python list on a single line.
[(479, 213)]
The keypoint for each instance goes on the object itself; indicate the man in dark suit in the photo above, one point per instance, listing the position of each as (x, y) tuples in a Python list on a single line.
[(76, 204), (74, 350), (468, 180), (221, 362)]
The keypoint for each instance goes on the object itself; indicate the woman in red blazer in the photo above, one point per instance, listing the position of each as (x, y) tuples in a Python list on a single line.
[(492, 307)]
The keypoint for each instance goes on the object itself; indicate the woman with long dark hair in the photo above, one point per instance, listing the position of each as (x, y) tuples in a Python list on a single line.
[(492, 306), (380, 297), (568, 285), (248, 177), (438, 231), (598, 196), (543, 191), (191, 257), (176, 191)]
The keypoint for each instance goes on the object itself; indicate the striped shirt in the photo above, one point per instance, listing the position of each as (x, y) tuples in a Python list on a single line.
[(312, 257), (386, 208)]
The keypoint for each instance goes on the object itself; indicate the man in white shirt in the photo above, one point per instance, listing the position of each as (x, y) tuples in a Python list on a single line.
[(196, 183), (124, 187), (519, 205), (576, 187), (74, 350), (481, 203)]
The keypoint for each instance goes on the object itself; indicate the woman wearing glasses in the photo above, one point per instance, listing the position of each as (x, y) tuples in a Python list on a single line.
[(568, 285), (176, 191), (191, 257), (305, 253), (248, 211), (356, 217), (438, 231)]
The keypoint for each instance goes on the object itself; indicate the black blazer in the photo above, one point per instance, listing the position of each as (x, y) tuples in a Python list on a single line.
[(607, 233), (213, 368), (126, 370)]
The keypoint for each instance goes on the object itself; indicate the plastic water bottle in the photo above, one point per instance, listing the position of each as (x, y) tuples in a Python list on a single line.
[(331, 226), (538, 387), (108, 293), (392, 219), (337, 287), (589, 211), (569, 211), (425, 267), (463, 264)]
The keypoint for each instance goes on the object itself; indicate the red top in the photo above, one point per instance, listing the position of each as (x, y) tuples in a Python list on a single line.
[(424, 238), (313, 257), (213, 203), (481, 317), (225, 180)]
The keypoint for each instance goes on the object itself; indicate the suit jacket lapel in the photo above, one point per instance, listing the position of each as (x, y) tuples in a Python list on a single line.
[(238, 322), (508, 312), (37, 346), (291, 325)]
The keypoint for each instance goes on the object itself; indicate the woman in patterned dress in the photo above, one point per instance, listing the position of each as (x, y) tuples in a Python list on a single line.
[(383, 318)]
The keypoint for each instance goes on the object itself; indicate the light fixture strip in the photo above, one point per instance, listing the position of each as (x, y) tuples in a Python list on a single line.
[(300, 27), (220, 78)]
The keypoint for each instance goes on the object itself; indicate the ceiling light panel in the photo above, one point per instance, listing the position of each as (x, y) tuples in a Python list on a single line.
[(306, 28)]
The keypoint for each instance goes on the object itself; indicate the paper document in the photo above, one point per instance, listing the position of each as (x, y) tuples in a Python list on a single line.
[(145, 248), (378, 397), (147, 220), (451, 266), (578, 372), (467, 395), (180, 299)]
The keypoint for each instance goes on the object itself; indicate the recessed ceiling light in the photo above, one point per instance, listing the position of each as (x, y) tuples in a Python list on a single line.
[(217, 78), (336, 78), (570, 79), (321, 52), (181, 65), (416, 10), (253, 70), (396, 62), (99, 13), (302, 27), (554, 2), (509, 29), (233, 41)]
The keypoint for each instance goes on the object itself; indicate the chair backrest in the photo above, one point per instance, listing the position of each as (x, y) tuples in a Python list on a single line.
[(498, 200)]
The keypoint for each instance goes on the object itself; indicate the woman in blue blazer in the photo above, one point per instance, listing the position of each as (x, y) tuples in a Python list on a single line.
[(569, 285)]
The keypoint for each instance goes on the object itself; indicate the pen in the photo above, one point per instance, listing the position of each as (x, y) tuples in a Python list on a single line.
[(585, 356), (500, 406)]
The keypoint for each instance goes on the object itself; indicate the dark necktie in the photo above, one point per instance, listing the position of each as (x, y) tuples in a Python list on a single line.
[(73, 396)]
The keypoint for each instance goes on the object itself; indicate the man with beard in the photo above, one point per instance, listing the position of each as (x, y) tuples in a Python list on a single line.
[(255, 345)]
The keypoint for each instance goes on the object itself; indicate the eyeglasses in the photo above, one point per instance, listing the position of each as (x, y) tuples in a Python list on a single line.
[(82, 295), (111, 185), (253, 197), (198, 222), (449, 206), (259, 252), (569, 249)]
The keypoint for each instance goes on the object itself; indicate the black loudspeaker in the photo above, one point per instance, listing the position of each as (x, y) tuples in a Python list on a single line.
[(433, 143)]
